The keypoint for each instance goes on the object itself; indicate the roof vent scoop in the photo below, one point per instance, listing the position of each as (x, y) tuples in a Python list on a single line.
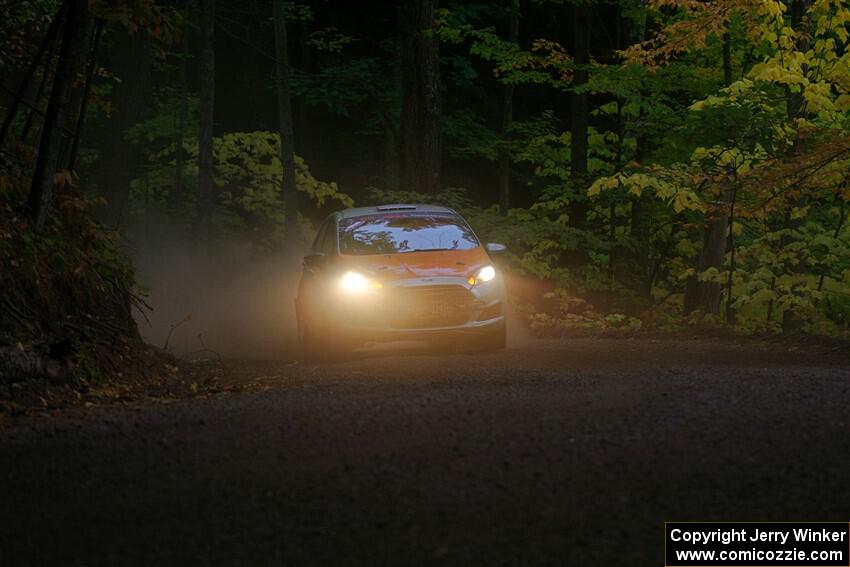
[(397, 208)]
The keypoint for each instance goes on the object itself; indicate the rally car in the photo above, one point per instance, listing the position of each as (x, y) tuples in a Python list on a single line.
[(399, 272)]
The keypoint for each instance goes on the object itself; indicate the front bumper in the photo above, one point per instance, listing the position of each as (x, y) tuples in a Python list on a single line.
[(371, 334), (420, 308)]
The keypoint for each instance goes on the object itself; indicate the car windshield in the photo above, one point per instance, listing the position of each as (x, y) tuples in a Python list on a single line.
[(400, 233)]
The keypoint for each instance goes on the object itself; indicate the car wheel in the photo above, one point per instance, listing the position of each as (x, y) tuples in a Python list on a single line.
[(307, 339), (321, 341), (338, 347)]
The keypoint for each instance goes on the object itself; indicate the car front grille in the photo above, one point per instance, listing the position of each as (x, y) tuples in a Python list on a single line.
[(423, 307)]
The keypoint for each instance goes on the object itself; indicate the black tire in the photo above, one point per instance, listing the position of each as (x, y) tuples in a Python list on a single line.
[(335, 346), (307, 339), (322, 342)]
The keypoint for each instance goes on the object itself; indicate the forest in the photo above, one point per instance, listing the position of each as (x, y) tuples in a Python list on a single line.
[(652, 165)]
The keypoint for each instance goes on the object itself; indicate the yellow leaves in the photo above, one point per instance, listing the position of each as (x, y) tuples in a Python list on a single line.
[(776, 71), (768, 71), (685, 199), (700, 21), (719, 157), (709, 101), (711, 275), (553, 55), (680, 198), (603, 184), (686, 247), (763, 32), (818, 74), (635, 183), (821, 71), (319, 191), (731, 157), (839, 74), (770, 9), (737, 228), (787, 39), (740, 87), (823, 50), (799, 212), (699, 154), (817, 96), (820, 6)]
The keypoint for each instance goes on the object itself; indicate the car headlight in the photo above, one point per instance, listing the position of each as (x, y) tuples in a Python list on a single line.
[(484, 275), (355, 283)]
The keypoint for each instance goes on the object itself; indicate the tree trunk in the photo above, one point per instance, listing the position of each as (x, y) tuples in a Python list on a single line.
[(730, 276), (206, 61), (84, 102), (507, 120), (39, 95), (300, 109), (641, 214), (727, 59), (579, 115), (421, 144), (74, 40), (842, 215), (118, 160), (705, 295), (390, 158), (617, 250), (284, 112), (794, 100), (75, 104), (48, 41), (795, 108), (182, 118)]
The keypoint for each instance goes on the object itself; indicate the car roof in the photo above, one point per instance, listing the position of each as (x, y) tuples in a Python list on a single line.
[(394, 208)]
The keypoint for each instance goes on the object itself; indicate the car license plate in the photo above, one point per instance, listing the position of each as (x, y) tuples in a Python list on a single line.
[(431, 310)]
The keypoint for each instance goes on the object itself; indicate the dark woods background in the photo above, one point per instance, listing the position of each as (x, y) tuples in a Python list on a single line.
[(652, 165)]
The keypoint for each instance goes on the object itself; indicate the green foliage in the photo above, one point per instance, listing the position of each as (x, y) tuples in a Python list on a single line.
[(835, 306), (546, 63), (345, 87), (469, 136), (330, 40), (740, 145), (71, 283), (671, 149), (248, 175), (565, 313), (298, 12), (161, 127)]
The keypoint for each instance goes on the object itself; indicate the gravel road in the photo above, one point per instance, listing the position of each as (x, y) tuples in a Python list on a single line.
[(556, 452)]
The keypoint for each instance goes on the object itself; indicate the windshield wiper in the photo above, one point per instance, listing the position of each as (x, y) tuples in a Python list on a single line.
[(426, 250)]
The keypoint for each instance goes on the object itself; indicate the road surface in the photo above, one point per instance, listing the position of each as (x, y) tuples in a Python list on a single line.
[(556, 452)]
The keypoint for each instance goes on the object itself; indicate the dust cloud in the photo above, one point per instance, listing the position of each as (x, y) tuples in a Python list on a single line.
[(228, 298), (518, 335)]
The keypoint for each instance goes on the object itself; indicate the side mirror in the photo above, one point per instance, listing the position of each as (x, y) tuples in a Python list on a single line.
[(495, 248), (313, 262)]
